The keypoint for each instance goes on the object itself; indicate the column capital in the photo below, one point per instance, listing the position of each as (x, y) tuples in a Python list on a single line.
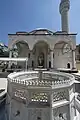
[(64, 6), (73, 49)]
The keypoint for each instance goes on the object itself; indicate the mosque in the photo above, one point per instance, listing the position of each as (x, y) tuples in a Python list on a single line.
[(45, 48), (44, 94)]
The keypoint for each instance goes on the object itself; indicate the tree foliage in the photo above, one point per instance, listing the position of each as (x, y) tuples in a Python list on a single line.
[(4, 52)]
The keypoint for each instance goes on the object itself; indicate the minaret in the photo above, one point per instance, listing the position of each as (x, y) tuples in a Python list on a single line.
[(64, 8)]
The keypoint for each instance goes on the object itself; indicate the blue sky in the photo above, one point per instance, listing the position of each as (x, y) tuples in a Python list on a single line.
[(26, 15)]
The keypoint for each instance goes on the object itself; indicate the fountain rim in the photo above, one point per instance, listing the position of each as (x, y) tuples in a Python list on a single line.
[(43, 71)]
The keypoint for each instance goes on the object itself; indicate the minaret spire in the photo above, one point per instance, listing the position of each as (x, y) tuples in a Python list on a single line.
[(64, 9)]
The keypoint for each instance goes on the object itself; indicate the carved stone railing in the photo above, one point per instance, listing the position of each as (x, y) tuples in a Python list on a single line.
[(43, 83), (33, 82), (59, 95), (49, 79)]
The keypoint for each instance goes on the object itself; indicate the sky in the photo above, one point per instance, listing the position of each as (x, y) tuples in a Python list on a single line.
[(27, 15)]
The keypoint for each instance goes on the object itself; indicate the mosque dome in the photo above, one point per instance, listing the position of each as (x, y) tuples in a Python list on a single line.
[(43, 31)]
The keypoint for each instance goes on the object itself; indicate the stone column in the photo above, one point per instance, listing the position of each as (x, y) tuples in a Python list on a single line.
[(47, 61), (26, 63), (10, 56), (73, 59), (51, 52)]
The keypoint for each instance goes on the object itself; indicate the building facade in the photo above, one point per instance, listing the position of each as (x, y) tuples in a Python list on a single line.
[(40, 94), (77, 52), (56, 50), (46, 48)]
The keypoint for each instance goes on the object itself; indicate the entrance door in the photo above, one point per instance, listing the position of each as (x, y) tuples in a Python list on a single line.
[(41, 60), (40, 51), (49, 64)]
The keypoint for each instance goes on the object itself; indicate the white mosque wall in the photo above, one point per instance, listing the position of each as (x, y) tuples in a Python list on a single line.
[(31, 40), (60, 60)]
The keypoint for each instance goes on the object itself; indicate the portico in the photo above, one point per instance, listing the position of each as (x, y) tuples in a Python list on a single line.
[(45, 49), (41, 53)]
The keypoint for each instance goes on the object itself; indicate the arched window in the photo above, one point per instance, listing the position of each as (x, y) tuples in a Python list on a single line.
[(49, 64), (68, 65), (28, 55), (32, 63)]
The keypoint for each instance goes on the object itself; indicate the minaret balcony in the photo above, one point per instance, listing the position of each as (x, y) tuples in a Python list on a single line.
[(64, 6)]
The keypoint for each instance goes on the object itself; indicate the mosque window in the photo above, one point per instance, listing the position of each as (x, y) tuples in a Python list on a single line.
[(28, 55), (32, 63), (49, 64), (68, 65)]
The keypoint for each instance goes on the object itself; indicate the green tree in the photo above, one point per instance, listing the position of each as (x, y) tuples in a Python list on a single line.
[(4, 52)]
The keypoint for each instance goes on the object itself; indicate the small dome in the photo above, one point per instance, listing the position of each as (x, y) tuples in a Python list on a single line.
[(41, 31), (21, 32)]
